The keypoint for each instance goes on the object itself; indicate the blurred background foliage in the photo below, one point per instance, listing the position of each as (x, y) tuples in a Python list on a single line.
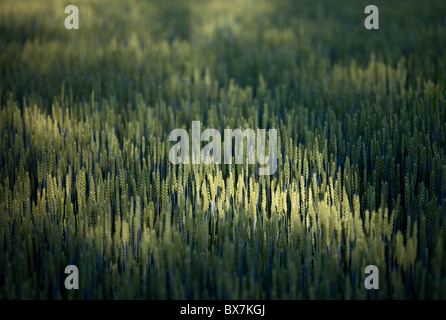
[(144, 43)]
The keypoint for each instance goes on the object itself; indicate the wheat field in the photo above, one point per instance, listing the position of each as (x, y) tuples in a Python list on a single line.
[(85, 176)]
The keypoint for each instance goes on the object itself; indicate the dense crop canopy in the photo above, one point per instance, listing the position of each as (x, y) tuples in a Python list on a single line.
[(85, 176)]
